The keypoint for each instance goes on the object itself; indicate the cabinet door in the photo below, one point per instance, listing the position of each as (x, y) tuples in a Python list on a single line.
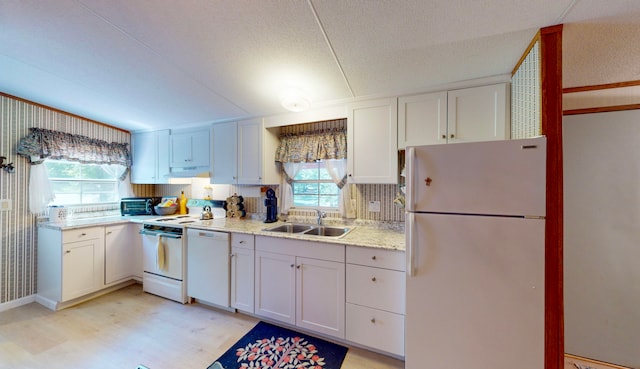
[(224, 167), (275, 286), (372, 144), (479, 114), (320, 296), (242, 278), (250, 152), (82, 268), (422, 119), (150, 157), (181, 155), (119, 252), (143, 167)]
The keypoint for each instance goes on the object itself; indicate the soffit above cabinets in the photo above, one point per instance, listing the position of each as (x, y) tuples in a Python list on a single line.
[(143, 64)]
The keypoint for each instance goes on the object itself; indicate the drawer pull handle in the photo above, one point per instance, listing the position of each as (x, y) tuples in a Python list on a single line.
[(373, 257), (373, 279), (241, 242), (373, 320), (68, 252), (83, 234)]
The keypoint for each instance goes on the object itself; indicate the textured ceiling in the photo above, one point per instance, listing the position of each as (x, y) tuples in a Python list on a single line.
[(146, 64)]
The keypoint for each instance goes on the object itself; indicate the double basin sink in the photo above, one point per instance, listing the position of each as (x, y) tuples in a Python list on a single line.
[(310, 230)]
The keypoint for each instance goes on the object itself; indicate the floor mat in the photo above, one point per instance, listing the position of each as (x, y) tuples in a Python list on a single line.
[(269, 346)]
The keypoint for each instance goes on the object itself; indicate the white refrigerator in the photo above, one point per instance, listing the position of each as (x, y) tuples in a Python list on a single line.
[(475, 233)]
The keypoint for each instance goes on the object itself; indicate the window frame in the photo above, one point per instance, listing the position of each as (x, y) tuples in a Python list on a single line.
[(82, 182), (319, 182)]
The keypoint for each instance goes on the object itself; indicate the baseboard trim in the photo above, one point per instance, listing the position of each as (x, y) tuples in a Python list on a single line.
[(15, 303), (600, 364)]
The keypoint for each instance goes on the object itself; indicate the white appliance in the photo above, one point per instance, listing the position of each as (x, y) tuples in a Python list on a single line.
[(475, 233), (209, 266), (164, 256)]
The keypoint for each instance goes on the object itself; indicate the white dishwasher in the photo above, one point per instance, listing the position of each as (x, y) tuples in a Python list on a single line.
[(208, 266)]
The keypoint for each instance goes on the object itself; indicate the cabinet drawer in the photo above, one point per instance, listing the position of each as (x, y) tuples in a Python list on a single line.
[(375, 328), (380, 258), (81, 234), (377, 288), (242, 240)]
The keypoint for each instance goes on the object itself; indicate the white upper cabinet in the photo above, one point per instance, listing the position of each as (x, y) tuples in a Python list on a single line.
[(224, 160), (372, 144), (479, 114), (150, 157), (243, 153), (422, 119), (464, 115), (190, 149)]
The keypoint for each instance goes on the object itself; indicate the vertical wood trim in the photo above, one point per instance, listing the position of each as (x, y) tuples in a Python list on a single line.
[(551, 68)]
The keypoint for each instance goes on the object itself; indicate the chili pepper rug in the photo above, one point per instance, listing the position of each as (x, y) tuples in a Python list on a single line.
[(268, 346)]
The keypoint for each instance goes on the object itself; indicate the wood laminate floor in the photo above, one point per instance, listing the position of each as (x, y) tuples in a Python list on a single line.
[(128, 328)]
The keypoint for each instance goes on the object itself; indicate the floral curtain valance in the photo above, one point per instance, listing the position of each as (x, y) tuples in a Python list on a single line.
[(41, 144), (310, 147)]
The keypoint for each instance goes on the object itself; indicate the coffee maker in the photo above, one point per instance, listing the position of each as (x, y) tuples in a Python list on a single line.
[(271, 202)]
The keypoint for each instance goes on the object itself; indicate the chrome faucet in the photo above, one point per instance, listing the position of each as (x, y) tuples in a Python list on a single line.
[(321, 214)]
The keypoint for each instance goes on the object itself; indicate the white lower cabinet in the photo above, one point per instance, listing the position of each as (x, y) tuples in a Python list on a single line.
[(70, 263), (122, 244), (242, 272), (375, 296), (301, 283)]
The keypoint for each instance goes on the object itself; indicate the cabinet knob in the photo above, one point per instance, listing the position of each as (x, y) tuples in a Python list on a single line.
[(373, 279), (373, 320), (68, 252), (241, 242), (292, 265), (82, 234), (373, 257), (298, 266), (444, 137), (232, 255), (452, 136)]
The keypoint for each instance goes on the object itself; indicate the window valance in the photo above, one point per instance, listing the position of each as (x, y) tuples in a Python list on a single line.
[(310, 147), (41, 144)]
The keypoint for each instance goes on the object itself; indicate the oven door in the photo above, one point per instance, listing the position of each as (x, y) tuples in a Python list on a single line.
[(159, 246)]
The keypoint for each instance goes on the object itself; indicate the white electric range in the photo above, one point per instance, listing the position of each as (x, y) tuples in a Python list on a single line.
[(164, 257)]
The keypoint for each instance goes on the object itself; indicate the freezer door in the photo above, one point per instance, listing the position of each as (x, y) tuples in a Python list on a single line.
[(497, 177), (475, 298)]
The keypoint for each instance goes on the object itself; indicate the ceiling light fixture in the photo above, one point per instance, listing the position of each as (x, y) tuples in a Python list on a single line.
[(295, 100)]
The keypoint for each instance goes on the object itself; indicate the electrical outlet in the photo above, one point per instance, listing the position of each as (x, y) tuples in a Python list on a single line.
[(5, 205), (374, 206)]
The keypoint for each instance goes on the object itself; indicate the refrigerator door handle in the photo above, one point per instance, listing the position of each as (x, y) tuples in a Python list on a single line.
[(410, 243), (409, 158)]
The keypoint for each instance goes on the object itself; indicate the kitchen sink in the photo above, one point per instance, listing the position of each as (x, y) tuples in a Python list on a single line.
[(328, 231), (310, 230), (290, 228)]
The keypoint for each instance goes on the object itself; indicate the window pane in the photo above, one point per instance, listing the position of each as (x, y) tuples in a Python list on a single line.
[(77, 183), (328, 201), (301, 200), (329, 189)]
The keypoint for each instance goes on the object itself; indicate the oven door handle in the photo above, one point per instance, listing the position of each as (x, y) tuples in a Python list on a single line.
[(168, 235)]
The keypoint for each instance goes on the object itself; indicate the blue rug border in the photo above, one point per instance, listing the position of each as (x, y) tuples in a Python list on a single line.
[(334, 353)]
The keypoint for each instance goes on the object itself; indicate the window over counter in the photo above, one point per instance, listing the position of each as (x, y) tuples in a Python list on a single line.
[(75, 183), (313, 187)]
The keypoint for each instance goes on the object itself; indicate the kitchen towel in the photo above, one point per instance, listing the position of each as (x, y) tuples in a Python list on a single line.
[(160, 259), (270, 346)]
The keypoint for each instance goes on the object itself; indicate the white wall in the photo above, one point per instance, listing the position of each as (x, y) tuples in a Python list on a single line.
[(602, 236)]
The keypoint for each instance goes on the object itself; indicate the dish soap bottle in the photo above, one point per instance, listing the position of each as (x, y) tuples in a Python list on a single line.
[(183, 204)]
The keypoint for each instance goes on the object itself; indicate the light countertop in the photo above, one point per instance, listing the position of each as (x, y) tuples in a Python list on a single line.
[(366, 235)]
